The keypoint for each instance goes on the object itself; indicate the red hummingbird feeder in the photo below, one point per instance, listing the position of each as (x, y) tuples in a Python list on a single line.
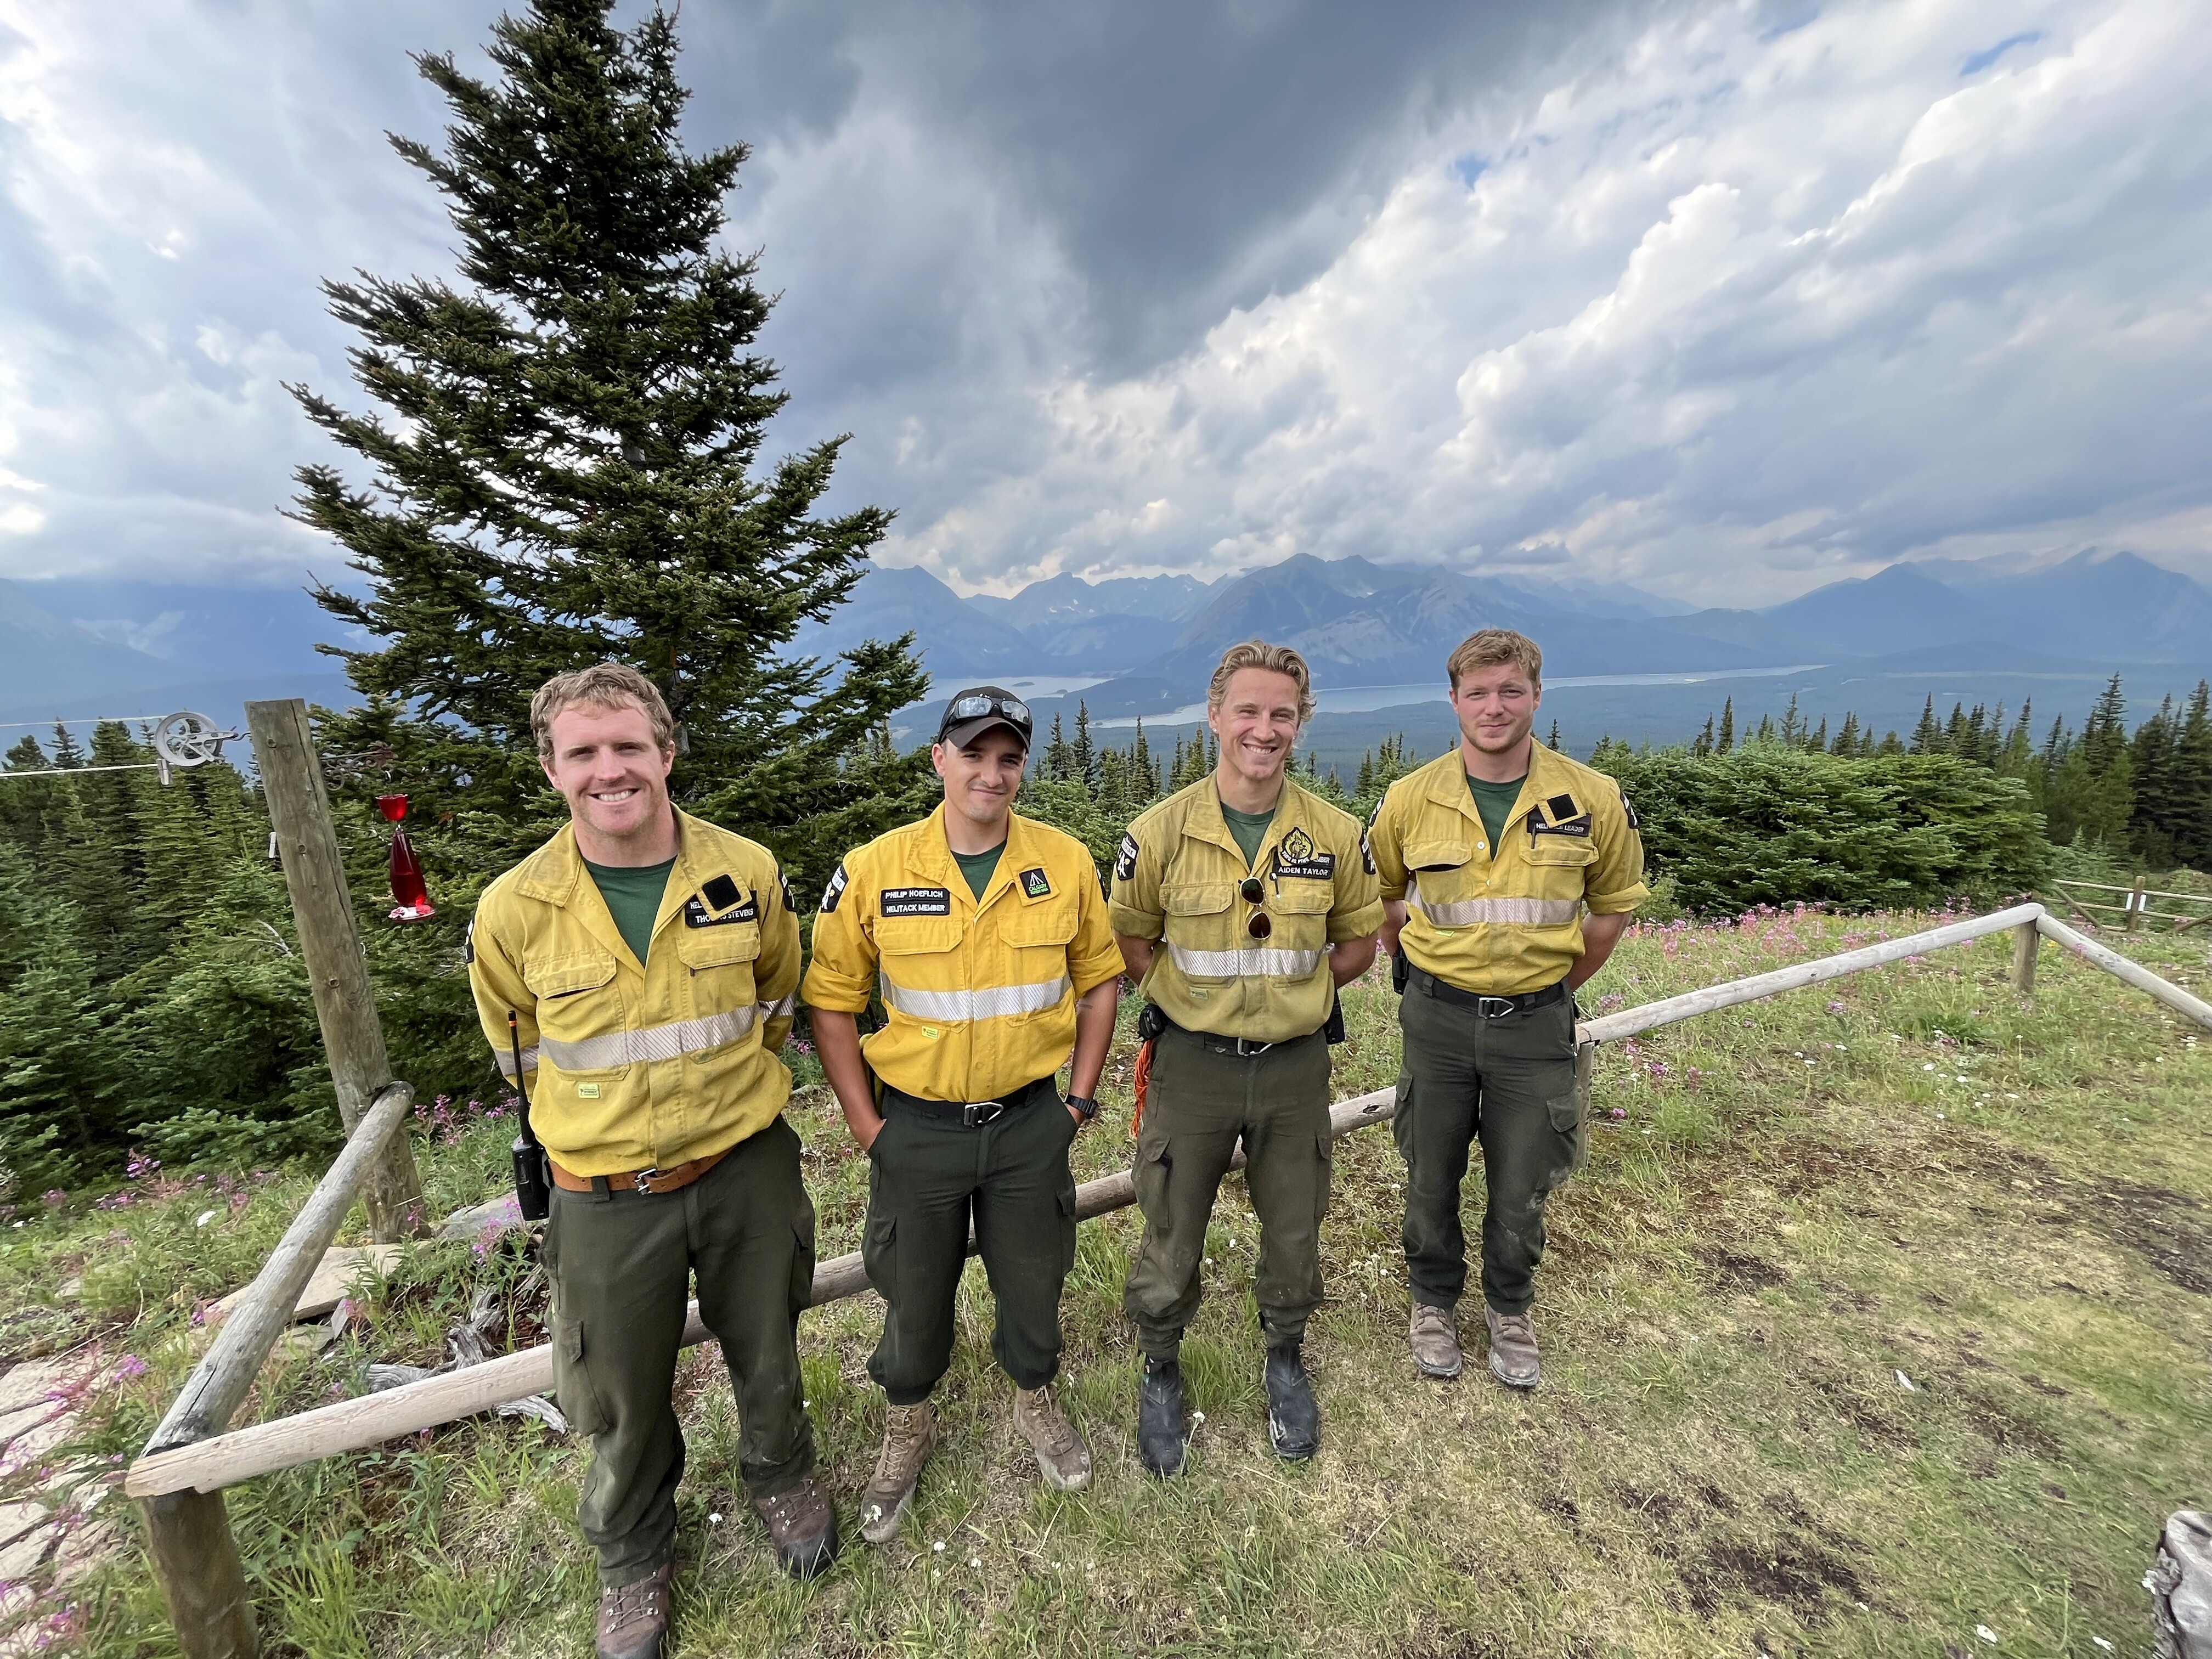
[(410, 895)]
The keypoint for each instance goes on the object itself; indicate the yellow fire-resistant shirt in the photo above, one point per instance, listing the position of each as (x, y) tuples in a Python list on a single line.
[(981, 993), (1177, 879), (1502, 921), (633, 1065)]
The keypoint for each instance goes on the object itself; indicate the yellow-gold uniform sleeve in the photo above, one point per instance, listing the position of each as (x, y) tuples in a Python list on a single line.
[(775, 977), (1386, 845), (495, 981), (842, 975), (1356, 909), (1135, 908), (1092, 957), (1614, 884)]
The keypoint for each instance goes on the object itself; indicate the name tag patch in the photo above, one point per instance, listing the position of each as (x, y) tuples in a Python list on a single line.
[(1036, 884), (1316, 867), (1580, 826), (696, 914), (915, 902)]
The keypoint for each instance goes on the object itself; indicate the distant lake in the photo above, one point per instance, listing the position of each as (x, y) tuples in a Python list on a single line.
[(1361, 699)]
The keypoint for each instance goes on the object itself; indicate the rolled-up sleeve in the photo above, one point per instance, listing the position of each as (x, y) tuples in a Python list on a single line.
[(1615, 883)]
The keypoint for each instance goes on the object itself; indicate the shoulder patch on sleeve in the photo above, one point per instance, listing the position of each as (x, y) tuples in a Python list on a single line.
[(1634, 823), (834, 891), (784, 882), (469, 941), (1125, 861), (1366, 854)]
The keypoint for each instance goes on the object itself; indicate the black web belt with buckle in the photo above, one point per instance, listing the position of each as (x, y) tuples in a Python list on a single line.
[(1489, 1008), (974, 1113), (1241, 1048)]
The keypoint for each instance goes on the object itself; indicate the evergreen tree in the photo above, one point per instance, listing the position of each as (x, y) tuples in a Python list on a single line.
[(1793, 726), (564, 465), (1847, 739), (1551, 743), (1141, 762), (1726, 741), (1084, 757), (1765, 729), (1702, 745), (2192, 782), (1818, 742), (1058, 762), (1927, 736)]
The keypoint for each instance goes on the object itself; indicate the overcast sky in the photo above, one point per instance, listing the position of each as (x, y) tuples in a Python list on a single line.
[(1725, 300)]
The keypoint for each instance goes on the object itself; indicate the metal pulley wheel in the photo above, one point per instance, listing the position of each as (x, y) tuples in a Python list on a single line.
[(187, 739)]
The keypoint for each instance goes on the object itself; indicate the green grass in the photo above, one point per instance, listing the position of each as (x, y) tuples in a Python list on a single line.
[(1912, 1170)]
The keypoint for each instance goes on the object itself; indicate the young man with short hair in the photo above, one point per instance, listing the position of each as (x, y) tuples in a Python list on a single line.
[(1490, 856), (1242, 902), (648, 961), (986, 932)]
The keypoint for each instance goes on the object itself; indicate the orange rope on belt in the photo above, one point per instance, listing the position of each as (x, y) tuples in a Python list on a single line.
[(1144, 1082)]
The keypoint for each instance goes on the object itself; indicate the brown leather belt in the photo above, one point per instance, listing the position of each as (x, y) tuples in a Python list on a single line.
[(673, 1180)]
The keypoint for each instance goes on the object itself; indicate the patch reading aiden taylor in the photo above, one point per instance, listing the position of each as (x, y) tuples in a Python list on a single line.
[(1125, 861), (915, 902), (696, 914), (1036, 884), (834, 891), (1296, 857)]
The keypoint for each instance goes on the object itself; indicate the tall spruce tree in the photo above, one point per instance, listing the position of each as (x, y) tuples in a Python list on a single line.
[(564, 465)]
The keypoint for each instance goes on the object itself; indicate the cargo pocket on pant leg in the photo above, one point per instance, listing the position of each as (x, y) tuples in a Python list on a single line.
[(1066, 1231), (572, 1379), (1569, 1123), (1401, 1118)]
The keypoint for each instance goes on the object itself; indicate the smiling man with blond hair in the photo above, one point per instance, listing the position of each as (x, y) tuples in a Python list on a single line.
[(648, 961), (1241, 903)]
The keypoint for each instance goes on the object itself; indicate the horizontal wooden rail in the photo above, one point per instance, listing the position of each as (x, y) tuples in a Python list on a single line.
[(220, 1382), (2120, 968), (2146, 892), (354, 1424), (1632, 1021), (372, 1419)]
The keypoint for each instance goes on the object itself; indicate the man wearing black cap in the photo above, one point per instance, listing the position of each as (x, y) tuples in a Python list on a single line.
[(986, 933)]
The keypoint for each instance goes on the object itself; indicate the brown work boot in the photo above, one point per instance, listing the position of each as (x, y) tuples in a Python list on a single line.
[(1512, 1348), (633, 1617), (1062, 1458), (804, 1525), (1436, 1345), (909, 1437)]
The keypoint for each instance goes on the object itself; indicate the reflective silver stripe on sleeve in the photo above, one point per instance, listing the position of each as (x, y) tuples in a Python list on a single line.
[(1505, 912), (994, 1002), (781, 1007), (507, 1062), (683, 1037), (1255, 963)]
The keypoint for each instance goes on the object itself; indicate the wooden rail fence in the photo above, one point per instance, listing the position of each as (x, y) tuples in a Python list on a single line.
[(194, 1454), (2135, 904)]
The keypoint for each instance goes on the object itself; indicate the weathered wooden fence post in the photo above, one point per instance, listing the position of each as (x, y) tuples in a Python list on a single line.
[(314, 874), (2025, 938), (196, 1559)]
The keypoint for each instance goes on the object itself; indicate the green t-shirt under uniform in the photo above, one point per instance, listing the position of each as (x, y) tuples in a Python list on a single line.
[(1250, 829), (633, 894), (1494, 801), (979, 867)]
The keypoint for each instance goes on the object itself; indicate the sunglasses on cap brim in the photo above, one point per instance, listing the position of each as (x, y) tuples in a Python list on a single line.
[(975, 709)]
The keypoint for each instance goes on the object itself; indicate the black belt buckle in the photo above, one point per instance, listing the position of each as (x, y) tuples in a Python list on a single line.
[(1496, 1007), (974, 1114)]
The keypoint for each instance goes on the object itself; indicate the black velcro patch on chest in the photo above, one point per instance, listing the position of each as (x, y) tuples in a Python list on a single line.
[(720, 893), (1036, 884), (915, 902), (696, 914), (1561, 808)]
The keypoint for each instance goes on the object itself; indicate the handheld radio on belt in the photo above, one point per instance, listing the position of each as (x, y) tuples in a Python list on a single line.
[(1401, 971), (533, 1184)]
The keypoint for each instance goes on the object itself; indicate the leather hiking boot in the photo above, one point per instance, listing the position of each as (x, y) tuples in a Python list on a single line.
[(1436, 1345), (1293, 1418), (909, 1437), (803, 1522), (1160, 1417), (1512, 1348), (1062, 1458), (633, 1617)]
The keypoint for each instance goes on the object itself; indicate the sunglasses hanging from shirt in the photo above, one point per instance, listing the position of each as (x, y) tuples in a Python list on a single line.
[(1259, 924)]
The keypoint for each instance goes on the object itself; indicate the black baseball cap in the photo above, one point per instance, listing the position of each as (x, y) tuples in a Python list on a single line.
[(976, 710)]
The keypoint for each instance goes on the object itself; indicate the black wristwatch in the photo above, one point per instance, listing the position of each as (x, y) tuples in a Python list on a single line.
[(1082, 1106)]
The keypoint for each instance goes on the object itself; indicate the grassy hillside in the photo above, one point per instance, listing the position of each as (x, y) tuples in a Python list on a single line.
[(1909, 1171)]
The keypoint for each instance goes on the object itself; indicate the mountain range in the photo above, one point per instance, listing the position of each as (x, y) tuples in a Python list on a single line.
[(66, 645)]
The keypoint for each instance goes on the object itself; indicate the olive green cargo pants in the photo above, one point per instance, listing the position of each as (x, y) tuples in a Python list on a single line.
[(621, 1266), (1200, 1103), (928, 1178), (1509, 1083)]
